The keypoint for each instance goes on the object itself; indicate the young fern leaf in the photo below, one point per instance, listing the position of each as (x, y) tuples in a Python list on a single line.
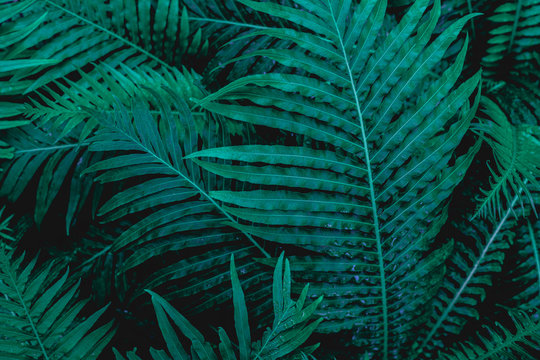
[(364, 195), (278, 341), (516, 149), (291, 328), (499, 342), (38, 315)]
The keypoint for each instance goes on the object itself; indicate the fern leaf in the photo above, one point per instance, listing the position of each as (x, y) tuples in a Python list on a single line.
[(39, 315), (240, 315), (289, 331), (516, 150), (5, 231), (37, 149), (514, 33), (9, 36), (363, 155), (522, 281), (68, 109), (183, 214), (499, 342), (470, 274)]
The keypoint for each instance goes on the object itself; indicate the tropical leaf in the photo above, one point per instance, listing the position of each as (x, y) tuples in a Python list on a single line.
[(10, 35), (480, 251), (230, 22), (60, 161), (522, 281), (170, 192), (516, 149), (68, 108), (500, 342), (514, 34), (362, 193), (40, 317), (291, 328), (5, 231), (93, 35)]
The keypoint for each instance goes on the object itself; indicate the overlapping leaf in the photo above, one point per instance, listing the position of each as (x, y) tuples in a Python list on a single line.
[(59, 162), (291, 328), (516, 149), (364, 194), (168, 194)]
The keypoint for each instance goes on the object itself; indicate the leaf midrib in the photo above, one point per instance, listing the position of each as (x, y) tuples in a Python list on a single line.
[(195, 186), (470, 275), (371, 185), (27, 313), (110, 33)]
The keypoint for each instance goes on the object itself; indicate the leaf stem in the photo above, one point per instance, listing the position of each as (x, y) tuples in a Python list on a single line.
[(197, 187)]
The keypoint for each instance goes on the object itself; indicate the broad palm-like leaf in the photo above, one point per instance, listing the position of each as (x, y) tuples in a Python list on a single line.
[(39, 316), (366, 197)]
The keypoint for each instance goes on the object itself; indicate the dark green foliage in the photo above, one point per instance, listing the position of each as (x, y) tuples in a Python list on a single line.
[(501, 343), (177, 147), (39, 315), (290, 329)]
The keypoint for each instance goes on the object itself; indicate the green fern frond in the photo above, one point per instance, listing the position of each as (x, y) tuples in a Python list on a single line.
[(68, 108), (160, 27), (10, 35), (477, 259), (39, 317), (94, 37), (171, 192), (292, 326), (60, 160), (65, 117), (363, 193), (522, 280), (499, 342), (516, 149), (5, 231), (515, 33)]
